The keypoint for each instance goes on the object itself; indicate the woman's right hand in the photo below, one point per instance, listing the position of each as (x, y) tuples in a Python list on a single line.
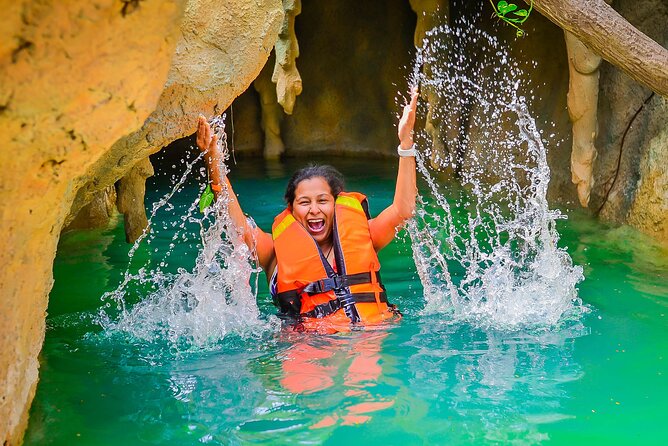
[(204, 139), (254, 238), (209, 144)]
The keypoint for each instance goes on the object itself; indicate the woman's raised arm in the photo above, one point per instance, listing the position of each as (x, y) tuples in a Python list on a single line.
[(254, 237), (384, 226)]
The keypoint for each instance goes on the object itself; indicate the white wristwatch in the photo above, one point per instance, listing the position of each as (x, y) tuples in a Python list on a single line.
[(407, 152)]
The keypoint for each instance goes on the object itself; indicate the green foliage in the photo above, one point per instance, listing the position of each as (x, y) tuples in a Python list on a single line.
[(206, 198), (509, 13)]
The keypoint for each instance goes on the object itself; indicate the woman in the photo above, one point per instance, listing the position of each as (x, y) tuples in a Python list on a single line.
[(321, 255)]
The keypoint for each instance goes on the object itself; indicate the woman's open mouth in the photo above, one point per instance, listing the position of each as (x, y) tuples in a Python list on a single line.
[(316, 225)]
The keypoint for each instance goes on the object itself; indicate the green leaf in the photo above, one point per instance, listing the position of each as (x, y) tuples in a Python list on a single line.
[(504, 7), (500, 7), (522, 13), (206, 198)]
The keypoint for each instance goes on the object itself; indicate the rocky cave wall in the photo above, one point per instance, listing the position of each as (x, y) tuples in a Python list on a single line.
[(87, 91), (353, 65), (354, 59), (631, 171)]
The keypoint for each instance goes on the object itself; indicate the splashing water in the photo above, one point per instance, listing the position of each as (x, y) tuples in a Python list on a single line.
[(196, 308), (492, 256)]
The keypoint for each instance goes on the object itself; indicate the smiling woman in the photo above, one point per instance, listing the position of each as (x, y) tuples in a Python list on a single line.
[(311, 191), (321, 255)]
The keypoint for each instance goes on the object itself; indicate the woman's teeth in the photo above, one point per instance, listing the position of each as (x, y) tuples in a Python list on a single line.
[(316, 225)]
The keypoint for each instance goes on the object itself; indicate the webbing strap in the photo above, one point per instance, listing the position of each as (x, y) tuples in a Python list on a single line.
[(334, 305), (337, 282), (328, 284)]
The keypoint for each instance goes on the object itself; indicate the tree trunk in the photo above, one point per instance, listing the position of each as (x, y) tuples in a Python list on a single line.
[(607, 33)]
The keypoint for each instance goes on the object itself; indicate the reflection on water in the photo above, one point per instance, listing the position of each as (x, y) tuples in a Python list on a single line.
[(319, 382), (505, 384)]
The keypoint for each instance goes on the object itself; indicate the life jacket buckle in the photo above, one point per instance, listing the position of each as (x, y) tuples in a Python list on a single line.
[(339, 282), (328, 284)]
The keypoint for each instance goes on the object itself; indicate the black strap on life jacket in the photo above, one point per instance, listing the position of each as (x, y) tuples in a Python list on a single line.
[(343, 294), (290, 301), (337, 282), (290, 304), (334, 305)]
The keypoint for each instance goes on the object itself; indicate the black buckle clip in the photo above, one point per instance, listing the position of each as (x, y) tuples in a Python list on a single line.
[(334, 283), (326, 309), (323, 285)]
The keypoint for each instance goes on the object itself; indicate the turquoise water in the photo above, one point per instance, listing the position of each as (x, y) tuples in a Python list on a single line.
[(599, 378)]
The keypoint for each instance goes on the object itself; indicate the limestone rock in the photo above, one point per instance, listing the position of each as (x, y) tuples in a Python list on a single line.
[(131, 190), (354, 60), (632, 122), (72, 81), (286, 76), (205, 77), (88, 89), (98, 213), (649, 211), (272, 113), (582, 108)]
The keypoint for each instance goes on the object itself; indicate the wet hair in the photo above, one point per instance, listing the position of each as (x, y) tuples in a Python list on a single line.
[(328, 173)]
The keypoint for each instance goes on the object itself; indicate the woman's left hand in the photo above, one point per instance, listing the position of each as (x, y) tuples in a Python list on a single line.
[(407, 121)]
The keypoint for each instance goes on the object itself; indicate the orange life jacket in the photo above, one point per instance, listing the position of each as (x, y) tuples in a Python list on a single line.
[(308, 286)]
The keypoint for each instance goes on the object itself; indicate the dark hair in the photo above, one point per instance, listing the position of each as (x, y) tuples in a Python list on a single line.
[(330, 174)]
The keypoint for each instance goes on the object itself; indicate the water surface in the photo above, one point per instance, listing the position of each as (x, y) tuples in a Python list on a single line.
[(596, 379)]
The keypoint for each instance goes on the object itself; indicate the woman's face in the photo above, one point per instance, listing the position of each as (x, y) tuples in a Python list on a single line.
[(313, 207)]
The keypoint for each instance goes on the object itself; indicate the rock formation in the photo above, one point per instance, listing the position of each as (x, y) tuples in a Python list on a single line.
[(583, 109), (286, 76), (631, 170), (354, 59), (272, 113), (279, 88), (649, 209), (98, 213), (87, 90), (130, 202), (431, 13), (69, 88)]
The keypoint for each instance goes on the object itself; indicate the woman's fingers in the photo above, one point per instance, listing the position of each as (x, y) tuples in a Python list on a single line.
[(203, 133), (201, 143), (214, 141), (414, 97), (207, 130), (412, 107), (407, 120)]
